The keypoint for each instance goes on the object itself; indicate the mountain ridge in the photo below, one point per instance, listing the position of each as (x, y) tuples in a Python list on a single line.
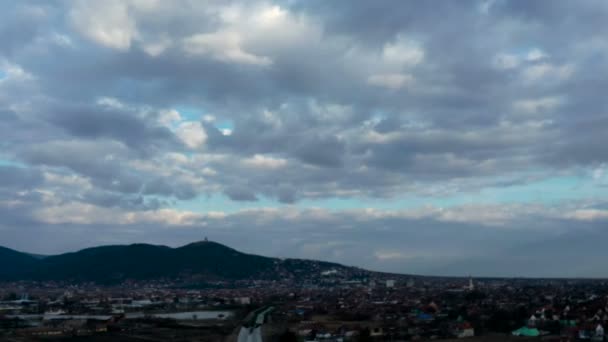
[(203, 260)]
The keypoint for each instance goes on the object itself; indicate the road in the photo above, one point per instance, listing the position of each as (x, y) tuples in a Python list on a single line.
[(251, 331)]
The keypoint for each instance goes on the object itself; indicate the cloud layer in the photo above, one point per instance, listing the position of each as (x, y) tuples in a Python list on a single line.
[(468, 128)]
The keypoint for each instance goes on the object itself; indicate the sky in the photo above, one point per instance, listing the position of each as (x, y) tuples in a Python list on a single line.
[(445, 138)]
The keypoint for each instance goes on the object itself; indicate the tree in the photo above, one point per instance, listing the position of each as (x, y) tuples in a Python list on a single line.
[(11, 296), (288, 336), (365, 335)]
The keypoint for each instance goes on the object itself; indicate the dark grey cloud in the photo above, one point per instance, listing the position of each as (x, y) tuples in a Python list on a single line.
[(322, 151), (121, 125), (19, 178), (238, 193), (21, 24), (287, 194)]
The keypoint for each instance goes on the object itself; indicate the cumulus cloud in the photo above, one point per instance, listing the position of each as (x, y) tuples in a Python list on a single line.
[(223, 46), (265, 162), (107, 23), (391, 81), (192, 134)]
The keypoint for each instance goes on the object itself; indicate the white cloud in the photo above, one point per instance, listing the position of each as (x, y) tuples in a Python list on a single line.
[(512, 61), (389, 255), (207, 171), (535, 55), (157, 47), (494, 215), (105, 22), (145, 5), (391, 81), (164, 216), (192, 134), (390, 69), (271, 30), (587, 214), (169, 117), (506, 61), (13, 72), (599, 174), (486, 6), (111, 102), (82, 213), (209, 118), (547, 71), (74, 181), (265, 162), (224, 46), (533, 106), (177, 158), (61, 40), (402, 53), (375, 137)]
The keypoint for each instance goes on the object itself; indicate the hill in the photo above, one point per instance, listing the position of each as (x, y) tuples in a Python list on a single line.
[(15, 264), (203, 260)]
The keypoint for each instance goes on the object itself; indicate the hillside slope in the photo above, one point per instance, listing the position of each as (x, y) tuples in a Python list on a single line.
[(204, 260), (15, 265)]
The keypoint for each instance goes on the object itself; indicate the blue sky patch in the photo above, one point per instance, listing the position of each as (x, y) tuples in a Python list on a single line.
[(8, 162), (189, 113)]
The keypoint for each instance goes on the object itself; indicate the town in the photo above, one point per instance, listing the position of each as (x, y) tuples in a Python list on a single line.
[(328, 305)]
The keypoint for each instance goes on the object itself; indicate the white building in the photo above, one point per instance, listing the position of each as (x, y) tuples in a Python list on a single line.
[(599, 331)]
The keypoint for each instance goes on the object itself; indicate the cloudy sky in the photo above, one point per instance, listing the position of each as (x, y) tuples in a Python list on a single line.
[(455, 137)]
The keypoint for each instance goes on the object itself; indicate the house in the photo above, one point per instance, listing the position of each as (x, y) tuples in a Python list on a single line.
[(599, 333), (599, 330), (526, 332), (464, 330)]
